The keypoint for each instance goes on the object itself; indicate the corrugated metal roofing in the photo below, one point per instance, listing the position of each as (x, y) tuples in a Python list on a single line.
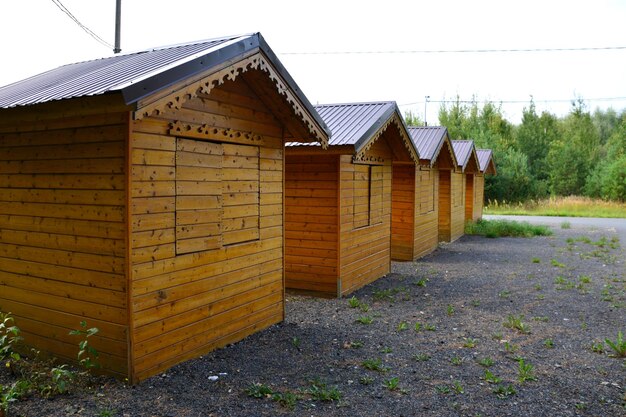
[(108, 74), (428, 140), (484, 156), (463, 151)]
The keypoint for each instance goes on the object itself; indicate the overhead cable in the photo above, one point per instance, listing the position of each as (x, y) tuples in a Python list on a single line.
[(83, 27)]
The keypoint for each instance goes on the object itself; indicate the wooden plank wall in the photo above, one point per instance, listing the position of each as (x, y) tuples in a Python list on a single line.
[(479, 196), (62, 225), (457, 215), (364, 252), (469, 197), (403, 211), (427, 212), (187, 304), (311, 222), (444, 221)]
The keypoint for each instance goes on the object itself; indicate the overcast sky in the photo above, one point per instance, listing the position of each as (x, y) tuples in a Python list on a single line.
[(37, 36)]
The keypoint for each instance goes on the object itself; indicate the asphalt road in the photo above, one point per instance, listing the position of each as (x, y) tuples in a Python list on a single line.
[(611, 225)]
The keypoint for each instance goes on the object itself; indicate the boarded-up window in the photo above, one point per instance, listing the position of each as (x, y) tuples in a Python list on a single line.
[(217, 195), (427, 192), (368, 195), (198, 195), (241, 193)]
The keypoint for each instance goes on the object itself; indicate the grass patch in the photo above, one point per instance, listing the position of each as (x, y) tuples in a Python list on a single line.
[(504, 228), (571, 206)]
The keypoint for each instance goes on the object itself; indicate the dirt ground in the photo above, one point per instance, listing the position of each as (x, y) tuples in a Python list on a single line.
[(532, 313)]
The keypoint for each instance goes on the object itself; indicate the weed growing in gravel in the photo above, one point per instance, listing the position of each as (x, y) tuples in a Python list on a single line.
[(456, 361), (510, 347), (320, 392), (442, 389), (366, 380), (584, 279), (469, 342), (597, 347), (475, 303), (618, 346), (364, 307), (502, 228), (504, 294), (295, 342), (497, 336), (430, 327), (421, 282), (386, 349), (355, 344), (374, 365), (450, 310), (402, 326), (538, 287), (486, 362), (556, 263), (525, 372), (258, 390), (286, 399), (580, 405), (458, 388), (549, 343), (382, 295), (365, 320), (418, 326), (517, 323), (421, 357), (566, 225), (536, 260), (354, 302), (87, 354), (392, 383), (491, 378), (502, 391), (544, 319)]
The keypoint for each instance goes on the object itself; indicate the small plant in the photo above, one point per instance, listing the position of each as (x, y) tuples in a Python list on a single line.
[(566, 225), (581, 405), (556, 263), (475, 303), (504, 294), (516, 322), (456, 360), (87, 354), (536, 260), (365, 320), (502, 391), (618, 346), (430, 327), (258, 390), (364, 307), (9, 338), (450, 310), (402, 326), (418, 327), (458, 388), (491, 378), (421, 282), (497, 336), (538, 287), (469, 342), (525, 372), (8, 395), (319, 391), (286, 399), (295, 341), (60, 378), (584, 279), (442, 389), (354, 302), (386, 349), (549, 343), (355, 344), (421, 357), (544, 319), (392, 383), (366, 380), (374, 365), (510, 347), (486, 362), (597, 347), (382, 295)]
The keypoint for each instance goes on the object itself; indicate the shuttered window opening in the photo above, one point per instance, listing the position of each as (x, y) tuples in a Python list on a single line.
[(217, 195), (427, 192), (367, 195)]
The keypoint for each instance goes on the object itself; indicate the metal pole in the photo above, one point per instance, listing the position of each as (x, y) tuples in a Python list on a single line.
[(425, 104), (118, 26)]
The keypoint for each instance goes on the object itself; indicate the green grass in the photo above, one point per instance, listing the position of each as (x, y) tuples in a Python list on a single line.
[(504, 228), (560, 206)]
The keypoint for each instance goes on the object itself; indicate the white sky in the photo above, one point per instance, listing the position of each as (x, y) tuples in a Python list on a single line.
[(37, 36)]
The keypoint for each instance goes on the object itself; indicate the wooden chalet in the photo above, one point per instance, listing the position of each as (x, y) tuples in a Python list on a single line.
[(143, 194), (461, 191), (416, 196), (486, 167), (338, 202)]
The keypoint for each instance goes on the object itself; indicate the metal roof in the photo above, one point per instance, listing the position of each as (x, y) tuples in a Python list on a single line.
[(428, 140), (484, 157), (463, 151), (141, 74)]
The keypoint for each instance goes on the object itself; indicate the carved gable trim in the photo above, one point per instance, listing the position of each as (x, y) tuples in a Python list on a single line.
[(406, 139)]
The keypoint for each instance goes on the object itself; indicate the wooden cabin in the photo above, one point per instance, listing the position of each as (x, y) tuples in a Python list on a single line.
[(486, 167), (143, 194), (461, 191), (415, 194), (338, 202)]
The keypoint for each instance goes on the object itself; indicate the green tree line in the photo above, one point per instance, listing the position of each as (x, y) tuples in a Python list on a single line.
[(582, 153)]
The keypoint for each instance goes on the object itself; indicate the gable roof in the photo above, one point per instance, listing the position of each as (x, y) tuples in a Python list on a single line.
[(429, 140), (360, 124), (485, 161), (141, 74), (463, 150)]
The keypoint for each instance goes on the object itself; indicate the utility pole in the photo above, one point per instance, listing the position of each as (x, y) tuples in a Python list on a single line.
[(118, 26), (425, 104)]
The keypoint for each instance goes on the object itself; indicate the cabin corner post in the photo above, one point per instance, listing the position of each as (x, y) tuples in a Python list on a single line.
[(130, 328)]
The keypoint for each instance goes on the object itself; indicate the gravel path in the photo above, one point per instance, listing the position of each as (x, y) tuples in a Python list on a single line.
[(437, 326)]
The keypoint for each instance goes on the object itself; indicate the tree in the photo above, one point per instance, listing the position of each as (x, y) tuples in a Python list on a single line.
[(412, 119)]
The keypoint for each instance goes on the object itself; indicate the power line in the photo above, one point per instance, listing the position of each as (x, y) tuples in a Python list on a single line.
[(515, 101), (459, 51), (83, 27)]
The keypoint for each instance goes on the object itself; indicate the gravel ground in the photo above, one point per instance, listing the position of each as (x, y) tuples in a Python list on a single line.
[(569, 296)]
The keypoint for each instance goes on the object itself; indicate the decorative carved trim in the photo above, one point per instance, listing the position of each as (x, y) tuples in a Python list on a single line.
[(368, 160), (258, 62), (214, 133), (405, 138)]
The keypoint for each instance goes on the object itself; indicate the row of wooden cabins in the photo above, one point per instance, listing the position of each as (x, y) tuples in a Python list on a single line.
[(168, 198)]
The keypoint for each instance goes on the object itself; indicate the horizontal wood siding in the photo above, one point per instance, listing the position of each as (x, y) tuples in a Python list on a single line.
[(403, 212), (469, 197), (458, 205), (62, 225), (445, 206), (479, 196), (226, 281), (427, 216), (365, 252), (311, 255)]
